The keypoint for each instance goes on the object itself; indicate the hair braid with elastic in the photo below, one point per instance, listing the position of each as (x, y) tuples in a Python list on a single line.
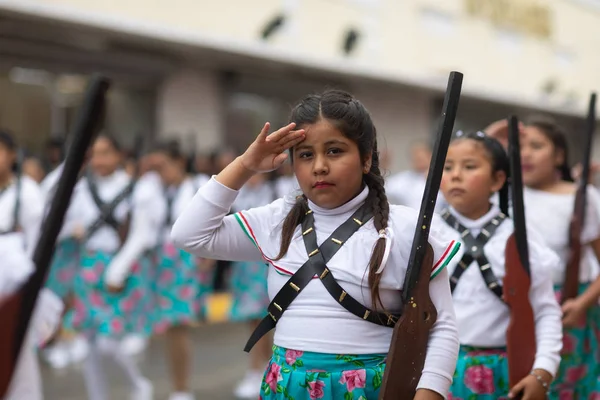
[(381, 210)]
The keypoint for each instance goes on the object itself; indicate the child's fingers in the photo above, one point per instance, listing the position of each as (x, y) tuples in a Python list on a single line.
[(280, 133), (293, 136), (264, 132)]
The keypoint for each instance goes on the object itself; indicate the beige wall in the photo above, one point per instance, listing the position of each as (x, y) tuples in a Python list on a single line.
[(190, 102), (419, 40)]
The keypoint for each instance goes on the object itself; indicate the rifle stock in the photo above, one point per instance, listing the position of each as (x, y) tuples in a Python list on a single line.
[(571, 284), (16, 312), (408, 347), (410, 338), (520, 335)]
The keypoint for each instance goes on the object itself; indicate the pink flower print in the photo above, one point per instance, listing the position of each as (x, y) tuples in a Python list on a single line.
[(166, 277), (165, 303), (186, 292), (480, 379), (315, 389), (135, 268), (89, 275), (354, 379), (96, 300), (127, 305), (161, 326), (569, 342), (574, 374), (450, 397), (136, 295), (169, 250), (273, 376), (292, 355), (558, 295), (116, 325), (65, 275), (565, 395), (594, 396)]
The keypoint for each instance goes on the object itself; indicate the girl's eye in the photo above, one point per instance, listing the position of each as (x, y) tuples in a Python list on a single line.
[(447, 167), (471, 166), (305, 154), (334, 151)]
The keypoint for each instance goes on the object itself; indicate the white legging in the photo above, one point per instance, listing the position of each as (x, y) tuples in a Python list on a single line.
[(95, 379)]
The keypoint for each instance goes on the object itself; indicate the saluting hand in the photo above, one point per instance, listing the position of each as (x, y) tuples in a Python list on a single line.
[(499, 131), (268, 152)]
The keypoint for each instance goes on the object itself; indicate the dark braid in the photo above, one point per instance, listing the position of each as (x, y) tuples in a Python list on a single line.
[(294, 218), (381, 211)]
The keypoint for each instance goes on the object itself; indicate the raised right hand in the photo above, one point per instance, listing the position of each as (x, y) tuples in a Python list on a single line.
[(268, 152), (499, 131)]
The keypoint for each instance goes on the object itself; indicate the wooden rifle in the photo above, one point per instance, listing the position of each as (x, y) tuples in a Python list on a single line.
[(408, 347), (571, 284), (16, 312), (520, 335)]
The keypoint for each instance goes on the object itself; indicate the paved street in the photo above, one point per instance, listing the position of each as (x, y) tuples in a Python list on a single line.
[(219, 363)]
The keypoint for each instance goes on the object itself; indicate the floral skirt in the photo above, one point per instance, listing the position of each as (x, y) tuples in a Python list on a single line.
[(297, 375), (96, 311), (176, 288), (577, 376), (249, 290), (65, 263), (480, 374)]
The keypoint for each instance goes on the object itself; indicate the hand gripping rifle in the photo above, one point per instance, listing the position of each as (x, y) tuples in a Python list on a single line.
[(408, 348), (571, 285), (520, 335), (16, 313)]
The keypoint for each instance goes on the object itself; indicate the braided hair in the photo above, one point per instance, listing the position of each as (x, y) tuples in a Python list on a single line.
[(353, 120)]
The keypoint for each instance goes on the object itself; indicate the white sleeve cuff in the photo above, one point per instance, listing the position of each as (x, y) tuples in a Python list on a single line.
[(547, 363), (435, 382)]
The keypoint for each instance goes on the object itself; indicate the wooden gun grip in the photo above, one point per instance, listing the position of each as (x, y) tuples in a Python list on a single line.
[(520, 335), (408, 347), (10, 314), (571, 285)]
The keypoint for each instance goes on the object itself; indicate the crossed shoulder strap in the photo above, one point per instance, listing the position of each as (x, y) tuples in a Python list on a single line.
[(106, 209), (316, 265), (474, 251)]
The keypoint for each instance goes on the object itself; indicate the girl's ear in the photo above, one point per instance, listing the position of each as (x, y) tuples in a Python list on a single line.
[(559, 157), (367, 164), (499, 180)]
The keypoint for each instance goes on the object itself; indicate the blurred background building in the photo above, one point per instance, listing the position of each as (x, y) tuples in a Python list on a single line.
[(211, 72)]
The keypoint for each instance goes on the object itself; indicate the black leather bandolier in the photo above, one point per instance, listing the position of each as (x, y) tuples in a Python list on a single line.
[(17, 207), (316, 265), (107, 210), (474, 251)]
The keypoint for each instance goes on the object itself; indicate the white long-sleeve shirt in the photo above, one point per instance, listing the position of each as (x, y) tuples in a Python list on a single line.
[(147, 218), (551, 213), (482, 317), (31, 210), (315, 321)]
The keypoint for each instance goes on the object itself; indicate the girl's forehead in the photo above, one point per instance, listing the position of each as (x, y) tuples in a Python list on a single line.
[(321, 131)]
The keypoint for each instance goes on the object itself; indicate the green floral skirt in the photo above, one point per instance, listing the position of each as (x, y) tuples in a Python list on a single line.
[(298, 375)]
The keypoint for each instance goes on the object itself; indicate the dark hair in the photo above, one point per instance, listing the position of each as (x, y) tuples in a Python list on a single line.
[(498, 157), (171, 149), (558, 137), (352, 119), (111, 140), (7, 140)]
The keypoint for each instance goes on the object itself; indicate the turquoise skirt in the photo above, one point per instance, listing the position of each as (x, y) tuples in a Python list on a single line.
[(249, 290), (298, 375), (577, 376), (177, 290), (65, 263), (480, 374), (96, 311)]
